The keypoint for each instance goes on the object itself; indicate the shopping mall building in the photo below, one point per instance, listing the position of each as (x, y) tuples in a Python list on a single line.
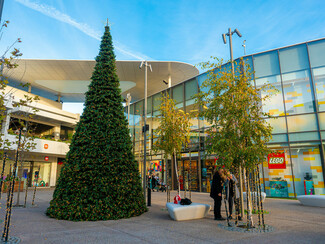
[(297, 72)]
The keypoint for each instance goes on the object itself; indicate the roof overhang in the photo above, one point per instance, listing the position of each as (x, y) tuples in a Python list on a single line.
[(69, 79)]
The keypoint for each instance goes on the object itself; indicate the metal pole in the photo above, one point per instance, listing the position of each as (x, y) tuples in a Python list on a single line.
[(145, 128), (2, 172), (1, 8), (11, 192), (231, 55)]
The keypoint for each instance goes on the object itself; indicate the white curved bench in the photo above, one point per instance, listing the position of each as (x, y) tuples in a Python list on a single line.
[(312, 200), (254, 193), (186, 212)]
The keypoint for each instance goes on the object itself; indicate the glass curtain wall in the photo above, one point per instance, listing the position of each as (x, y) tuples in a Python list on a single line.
[(297, 78)]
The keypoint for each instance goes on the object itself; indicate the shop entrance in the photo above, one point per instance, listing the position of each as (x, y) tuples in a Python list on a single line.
[(188, 175)]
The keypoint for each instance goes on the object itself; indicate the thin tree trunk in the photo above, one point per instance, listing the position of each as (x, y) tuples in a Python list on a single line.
[(176, 170)]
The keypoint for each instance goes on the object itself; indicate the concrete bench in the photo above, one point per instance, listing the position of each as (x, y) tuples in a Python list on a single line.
[(186, 212), (254, 193), (312, 200)]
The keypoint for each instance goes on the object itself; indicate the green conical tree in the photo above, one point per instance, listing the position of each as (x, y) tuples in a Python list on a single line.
[(100, 179)]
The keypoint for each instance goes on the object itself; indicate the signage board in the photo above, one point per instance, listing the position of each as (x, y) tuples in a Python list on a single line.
[(276, 161)]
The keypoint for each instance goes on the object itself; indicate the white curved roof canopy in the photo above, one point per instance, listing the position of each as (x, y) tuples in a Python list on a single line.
[(69, 79)]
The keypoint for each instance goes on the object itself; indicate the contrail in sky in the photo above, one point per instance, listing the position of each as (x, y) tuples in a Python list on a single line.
[(56, 14)]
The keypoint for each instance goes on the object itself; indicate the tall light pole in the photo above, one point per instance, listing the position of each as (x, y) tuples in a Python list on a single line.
[(128, 102), (144, 129), (229, 34), (1, 7)]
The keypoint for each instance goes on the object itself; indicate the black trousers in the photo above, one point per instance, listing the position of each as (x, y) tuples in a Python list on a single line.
[(217, 207), (231, 202)]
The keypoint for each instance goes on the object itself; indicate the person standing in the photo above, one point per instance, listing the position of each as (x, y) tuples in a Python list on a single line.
[(232, 193), (216, 192)]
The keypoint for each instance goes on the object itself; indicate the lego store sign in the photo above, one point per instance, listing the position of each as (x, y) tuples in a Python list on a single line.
[(276, 161)]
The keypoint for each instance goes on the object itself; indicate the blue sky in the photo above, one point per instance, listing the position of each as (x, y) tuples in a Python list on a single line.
[(178, 30)]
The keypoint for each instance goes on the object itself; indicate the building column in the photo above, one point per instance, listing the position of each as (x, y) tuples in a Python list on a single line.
[(56, 132), (6, 123), (54, 166)]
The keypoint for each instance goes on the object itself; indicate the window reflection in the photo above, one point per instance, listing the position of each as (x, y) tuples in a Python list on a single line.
[(298, 92)]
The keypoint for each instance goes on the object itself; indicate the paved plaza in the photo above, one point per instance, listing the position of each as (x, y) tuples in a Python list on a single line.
[(293, 223)]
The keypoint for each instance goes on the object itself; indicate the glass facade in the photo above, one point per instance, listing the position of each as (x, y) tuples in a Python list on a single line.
[(298, 75)]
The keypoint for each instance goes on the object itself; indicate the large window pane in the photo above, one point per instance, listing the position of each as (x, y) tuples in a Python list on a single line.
[(298, 92), (278, 125), (190, 89), (266, 64), (319, 79), (299, 123), (274, 105), (294, 58), (149, 105), (202, 77), (156, 103), (178, 96), (317, 53), (321, 117)]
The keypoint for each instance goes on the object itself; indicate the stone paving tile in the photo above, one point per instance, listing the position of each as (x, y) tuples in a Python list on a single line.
[(293, 223)]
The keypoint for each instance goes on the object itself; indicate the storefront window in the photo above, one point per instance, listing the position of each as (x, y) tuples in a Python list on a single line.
[(278, 181), (44, 174), (308, 171), (207, 174)]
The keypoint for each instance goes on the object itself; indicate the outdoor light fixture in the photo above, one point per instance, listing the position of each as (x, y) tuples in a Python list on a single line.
[(224, 38), (237, 32), (230, 33)]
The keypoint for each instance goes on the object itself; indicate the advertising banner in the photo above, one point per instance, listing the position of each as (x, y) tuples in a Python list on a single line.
[(276, 161), (279, 189)]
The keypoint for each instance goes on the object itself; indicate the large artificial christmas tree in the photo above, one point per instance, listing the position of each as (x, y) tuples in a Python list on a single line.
[(100, 179)]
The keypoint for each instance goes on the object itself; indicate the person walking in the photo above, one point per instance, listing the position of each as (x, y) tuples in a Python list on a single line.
[(216, 192)]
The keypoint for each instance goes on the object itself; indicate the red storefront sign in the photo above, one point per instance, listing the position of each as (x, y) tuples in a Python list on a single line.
[(276, 161), (46, 158)]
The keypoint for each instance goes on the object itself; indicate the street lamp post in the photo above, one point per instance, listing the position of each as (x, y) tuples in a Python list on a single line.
[(146, 65), (128, 101), (229, 34)]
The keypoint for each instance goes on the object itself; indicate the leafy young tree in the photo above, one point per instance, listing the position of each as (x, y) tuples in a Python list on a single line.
[(173, 131), (238, 134), (100, 179), (233, 106)]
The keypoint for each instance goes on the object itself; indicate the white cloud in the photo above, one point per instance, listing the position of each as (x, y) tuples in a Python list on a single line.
[(56, 14)]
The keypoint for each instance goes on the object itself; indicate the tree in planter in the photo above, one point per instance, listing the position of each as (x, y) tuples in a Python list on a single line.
[(233, 106), (173, 132), (9, 105), (100, 179)]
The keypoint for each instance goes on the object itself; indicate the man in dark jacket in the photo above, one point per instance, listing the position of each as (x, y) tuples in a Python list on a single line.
[(216, 192)]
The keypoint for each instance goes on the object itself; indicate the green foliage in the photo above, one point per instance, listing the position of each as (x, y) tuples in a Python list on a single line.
[(233, 106), (8, 64), (100, 179), (173, 131)]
